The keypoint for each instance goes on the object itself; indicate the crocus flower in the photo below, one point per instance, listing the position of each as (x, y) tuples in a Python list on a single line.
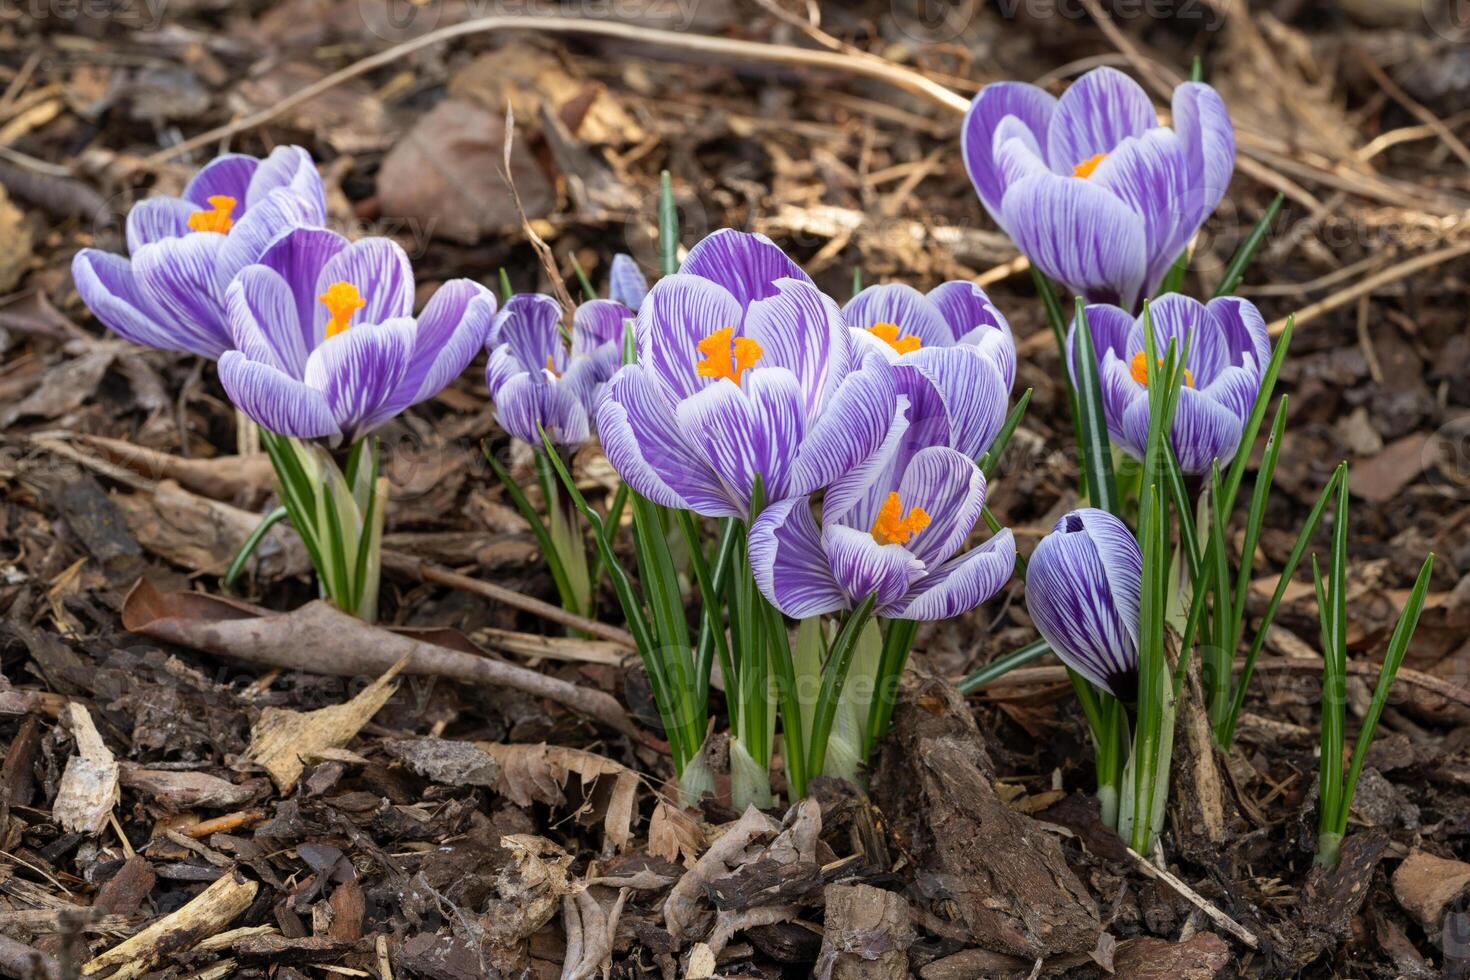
[(904, 552), (625, 282), (328, 347), (186, 250), (1083, 584), (1093, 190), (536, 382), (744, 370), (1228, 349)]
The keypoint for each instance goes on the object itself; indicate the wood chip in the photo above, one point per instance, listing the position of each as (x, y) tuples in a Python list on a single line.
[(205, 915), (89, 786)]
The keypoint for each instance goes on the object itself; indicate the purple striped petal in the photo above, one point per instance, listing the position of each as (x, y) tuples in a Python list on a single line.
[(950, 488), (289, 168), (849, 430), (526, 404), (748, 430), (903, 306), (854, 496), (635, 421), (597, 322), (800, 329), (299, 256), (1120, 392), (626, 283), (972, 391), (1203, 124), (177, 275), (974, 319), (501, 367), (746, 265), (263, 321), (110, 290), (1082, 588), (1080, 235), (158, 218), (1017, 153), (227, 174), (1185, 320), (1236, 390), (1204, 430), (679, 312), (1150, 173), (1244, 331), (1031, 106), (863, 567), (788, 562), (1096, 113), (279, 402), (961, 583), (451, 330), (380, 270), (530, 326), (254, 231), (357, 370), (1113, 329)]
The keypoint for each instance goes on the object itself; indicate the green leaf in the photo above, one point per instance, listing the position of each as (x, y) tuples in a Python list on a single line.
[(991, 457), (538, 527), (506, 292), (1028, 654), (588, 292), (668, 226), (833, 678), (237, 565), (1235, 271), (1097, 450)]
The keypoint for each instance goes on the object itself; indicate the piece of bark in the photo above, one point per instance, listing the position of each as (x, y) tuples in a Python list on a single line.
[(24, 963), (1201, 810), (123, 893), (348, 905), (446, 761), (205, 915), (1204, 956), (1425, 885), (867, 934), (220, 477), (307, 949), (89, 786), (283, 738), (176, 791), (17, 781), (319, 638), (970, 963), (1015, 894), (1332, 898)]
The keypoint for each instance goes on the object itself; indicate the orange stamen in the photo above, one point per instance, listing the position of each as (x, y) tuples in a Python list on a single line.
[(1139, 369), (218, 219), (727, 356), (341, 300), (892, 527), (551, 366), (1086, 167), (889, 334)]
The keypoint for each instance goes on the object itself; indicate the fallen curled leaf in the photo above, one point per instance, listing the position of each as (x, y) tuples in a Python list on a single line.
[(188, 790), (235, 478), (539, 773), (204, 535)]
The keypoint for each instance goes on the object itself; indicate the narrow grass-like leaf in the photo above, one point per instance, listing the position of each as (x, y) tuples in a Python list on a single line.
[(538, 527), (834, 676), (1255, 518), (898, 640), (237, 565), (668, 226), (1256, 417), (1235, 271), (990, 459), (857, 279), (1221, 660), (588, 292), (506, 292), (1028, 654), (1097, 450)]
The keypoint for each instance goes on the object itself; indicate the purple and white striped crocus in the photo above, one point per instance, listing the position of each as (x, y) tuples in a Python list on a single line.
[(327, 344), (1091, 188), (1083, 585), (903, 552), (536, 382), (1228, 350), (186, 250), (745, 370), (626, 283)]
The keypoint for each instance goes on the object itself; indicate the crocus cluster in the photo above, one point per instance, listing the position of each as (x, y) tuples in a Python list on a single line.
[(749, 377), (1094, 191)]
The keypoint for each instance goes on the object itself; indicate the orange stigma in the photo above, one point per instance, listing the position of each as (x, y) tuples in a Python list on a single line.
[(1086, 167), (888, 333), (1139, 370), (218, 219), (727, 356), (892, 527), (551, 366), (341, 300)]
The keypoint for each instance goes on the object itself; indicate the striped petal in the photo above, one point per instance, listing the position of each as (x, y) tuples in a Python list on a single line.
[(1204, 430), (950, 488), (749, 430), (527, 404), (1031, 106), (902, 306), (1096, 113), (357, 370), (850, 428), (863, 567), (289, 168), (380, 270), (227, 174), (1203, 124), (679, 312), (277, 401), (597, 322), (626, 283), (530, 326), (1079, 234), (1150, 173), (177, 275), (1082, 589), (451, 330), (1244, 330), (802, 330), (961, 583), (636, 424), (111, 291), (974, 319), (973, 393), (788, 562), (299, 256), (746, 265), (263, 320), (158, 218), (253, 232)]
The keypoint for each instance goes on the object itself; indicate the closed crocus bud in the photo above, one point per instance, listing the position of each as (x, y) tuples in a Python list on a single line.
[(1082, 589)]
